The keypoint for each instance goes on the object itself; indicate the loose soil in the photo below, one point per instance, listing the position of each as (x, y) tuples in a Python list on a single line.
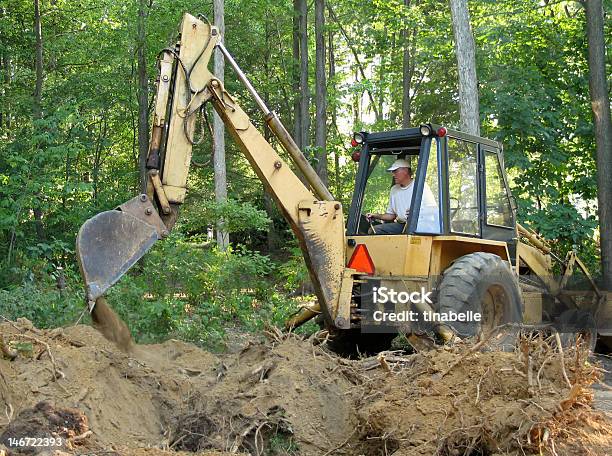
[(288, 396), (111, 326)]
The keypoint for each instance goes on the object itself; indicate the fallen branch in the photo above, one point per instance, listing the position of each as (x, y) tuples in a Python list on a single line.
[(11, 323), (57, 374)]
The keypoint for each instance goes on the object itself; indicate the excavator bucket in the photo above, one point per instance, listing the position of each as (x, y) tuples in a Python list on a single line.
[(109, 243)]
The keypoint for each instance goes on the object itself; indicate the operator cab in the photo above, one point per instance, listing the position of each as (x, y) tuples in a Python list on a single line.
[(464, 173)]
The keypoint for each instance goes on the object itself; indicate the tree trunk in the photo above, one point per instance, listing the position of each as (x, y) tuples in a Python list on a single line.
[(600, 104), (143, 97), (272, 235), (321, 92), (219, 131), (304, 89), (466, 67), (5, 116), (406, 74), (357, 101), (382, 71), (332, 78), (4, 72), (37, 107), (295, 74)]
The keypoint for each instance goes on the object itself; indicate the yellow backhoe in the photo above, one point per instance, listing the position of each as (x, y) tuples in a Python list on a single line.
[(457, 260)]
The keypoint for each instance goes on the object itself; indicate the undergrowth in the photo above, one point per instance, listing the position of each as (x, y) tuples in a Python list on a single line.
[(182, 289)]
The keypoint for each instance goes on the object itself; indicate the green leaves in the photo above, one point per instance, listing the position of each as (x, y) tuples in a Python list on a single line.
[(534, 98), (236, 216), (81, 157)]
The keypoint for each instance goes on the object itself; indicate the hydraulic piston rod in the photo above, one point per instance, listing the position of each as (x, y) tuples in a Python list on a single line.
[(281, 133)]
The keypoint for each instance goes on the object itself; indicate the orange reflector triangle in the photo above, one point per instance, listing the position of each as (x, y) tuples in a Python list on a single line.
[(361, 260)]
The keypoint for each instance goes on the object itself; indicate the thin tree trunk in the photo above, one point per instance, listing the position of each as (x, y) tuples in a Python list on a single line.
[(37, 108), (143, 97), (219, 130), (304, 89), (600, 104), (5, 71), (295, 74), (357, 101), (406, 74), (97, 164), (2, 70), (4, 115), (321, 92), (6, 64), (382, 71), (272, 235), (466, 67), (332, 79)]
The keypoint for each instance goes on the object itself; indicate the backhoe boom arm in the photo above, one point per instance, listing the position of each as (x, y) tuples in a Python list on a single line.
[(185, 84)]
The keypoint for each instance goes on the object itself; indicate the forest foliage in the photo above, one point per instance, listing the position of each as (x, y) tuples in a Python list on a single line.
[(80, 156)]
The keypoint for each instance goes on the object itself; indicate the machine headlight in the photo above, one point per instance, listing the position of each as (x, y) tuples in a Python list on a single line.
[(425, 130)]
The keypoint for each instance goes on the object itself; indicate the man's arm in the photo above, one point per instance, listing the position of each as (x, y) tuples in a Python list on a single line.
[(384, 217)]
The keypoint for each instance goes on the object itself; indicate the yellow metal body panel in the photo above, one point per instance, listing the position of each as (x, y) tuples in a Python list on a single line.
[(446, 249), (178, 150), (539, 263), (534, 303), (399, 285), (397, 255)]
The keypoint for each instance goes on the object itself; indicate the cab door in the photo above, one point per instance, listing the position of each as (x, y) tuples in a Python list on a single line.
[(464, 188), (498, 216)]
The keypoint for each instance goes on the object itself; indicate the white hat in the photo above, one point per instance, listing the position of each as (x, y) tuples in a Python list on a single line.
[(399, 163)]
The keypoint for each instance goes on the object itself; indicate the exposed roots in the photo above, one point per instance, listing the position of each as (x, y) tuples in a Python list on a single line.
[(197, 431), (291, 395)]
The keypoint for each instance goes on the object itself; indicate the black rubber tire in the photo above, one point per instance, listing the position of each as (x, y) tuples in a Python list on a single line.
[(482, 283)]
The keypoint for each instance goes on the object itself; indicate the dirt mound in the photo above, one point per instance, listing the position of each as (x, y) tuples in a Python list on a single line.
[(277, 398), (127, 399), (288, 397), (483, 404)]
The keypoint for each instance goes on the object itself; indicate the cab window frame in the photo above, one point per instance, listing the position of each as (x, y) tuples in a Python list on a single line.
[(478, 185), (499, 164)]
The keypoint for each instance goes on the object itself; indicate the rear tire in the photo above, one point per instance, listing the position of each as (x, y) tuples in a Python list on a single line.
[(484, 284)]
